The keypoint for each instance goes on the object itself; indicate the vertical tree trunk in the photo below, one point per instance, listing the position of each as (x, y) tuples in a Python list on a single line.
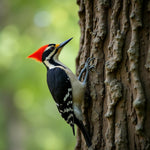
[(117, 102)]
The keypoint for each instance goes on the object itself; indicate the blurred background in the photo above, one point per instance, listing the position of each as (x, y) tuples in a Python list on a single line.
[(29, 119)]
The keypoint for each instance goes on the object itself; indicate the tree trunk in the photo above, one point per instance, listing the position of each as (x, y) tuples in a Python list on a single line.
[(117, 103)]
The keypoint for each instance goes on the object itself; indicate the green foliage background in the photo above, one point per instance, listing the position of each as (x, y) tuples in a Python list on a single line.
[(29, 119)]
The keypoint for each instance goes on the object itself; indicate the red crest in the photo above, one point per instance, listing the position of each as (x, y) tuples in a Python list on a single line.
[(38, 54)]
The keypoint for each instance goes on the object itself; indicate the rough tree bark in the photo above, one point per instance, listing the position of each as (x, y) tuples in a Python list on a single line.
[(117, 102)]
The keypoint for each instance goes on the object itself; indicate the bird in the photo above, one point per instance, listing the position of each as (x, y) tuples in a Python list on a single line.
[(65, 87)]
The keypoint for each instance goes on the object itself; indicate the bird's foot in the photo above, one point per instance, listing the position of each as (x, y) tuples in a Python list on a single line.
[(87, 67)]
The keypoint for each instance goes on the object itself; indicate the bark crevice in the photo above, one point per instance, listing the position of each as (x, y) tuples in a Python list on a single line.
[(114, 108)]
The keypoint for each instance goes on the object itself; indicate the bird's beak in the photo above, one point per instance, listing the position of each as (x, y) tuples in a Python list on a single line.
[(63, 43)]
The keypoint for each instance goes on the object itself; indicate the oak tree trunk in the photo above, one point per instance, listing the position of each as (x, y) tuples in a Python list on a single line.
[(117, 102)]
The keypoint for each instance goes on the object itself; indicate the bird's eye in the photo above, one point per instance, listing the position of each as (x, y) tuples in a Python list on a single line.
[(52, 48)]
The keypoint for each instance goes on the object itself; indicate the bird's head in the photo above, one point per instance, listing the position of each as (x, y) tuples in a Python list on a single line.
[(48, 51)]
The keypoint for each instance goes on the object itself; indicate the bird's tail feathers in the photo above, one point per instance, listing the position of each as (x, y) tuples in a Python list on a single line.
[(84, 132)]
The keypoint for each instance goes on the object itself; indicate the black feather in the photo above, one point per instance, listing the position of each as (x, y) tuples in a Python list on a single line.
[(60, 88), (83, 130)]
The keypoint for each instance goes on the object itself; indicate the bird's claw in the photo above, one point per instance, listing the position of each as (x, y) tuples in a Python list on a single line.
[(86, 67), (92, 67), (90, 59), (87, 64)]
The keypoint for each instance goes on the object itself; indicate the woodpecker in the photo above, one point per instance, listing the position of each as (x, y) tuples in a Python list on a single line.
[(66, 89)]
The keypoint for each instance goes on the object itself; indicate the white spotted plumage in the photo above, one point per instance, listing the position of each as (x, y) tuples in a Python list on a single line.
[(62, 86), (68, 94)]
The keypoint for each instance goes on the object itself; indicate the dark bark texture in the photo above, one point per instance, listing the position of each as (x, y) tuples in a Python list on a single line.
[(117, 102)]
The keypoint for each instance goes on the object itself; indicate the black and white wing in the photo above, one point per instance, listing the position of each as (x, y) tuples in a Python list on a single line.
[(61, 90)]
